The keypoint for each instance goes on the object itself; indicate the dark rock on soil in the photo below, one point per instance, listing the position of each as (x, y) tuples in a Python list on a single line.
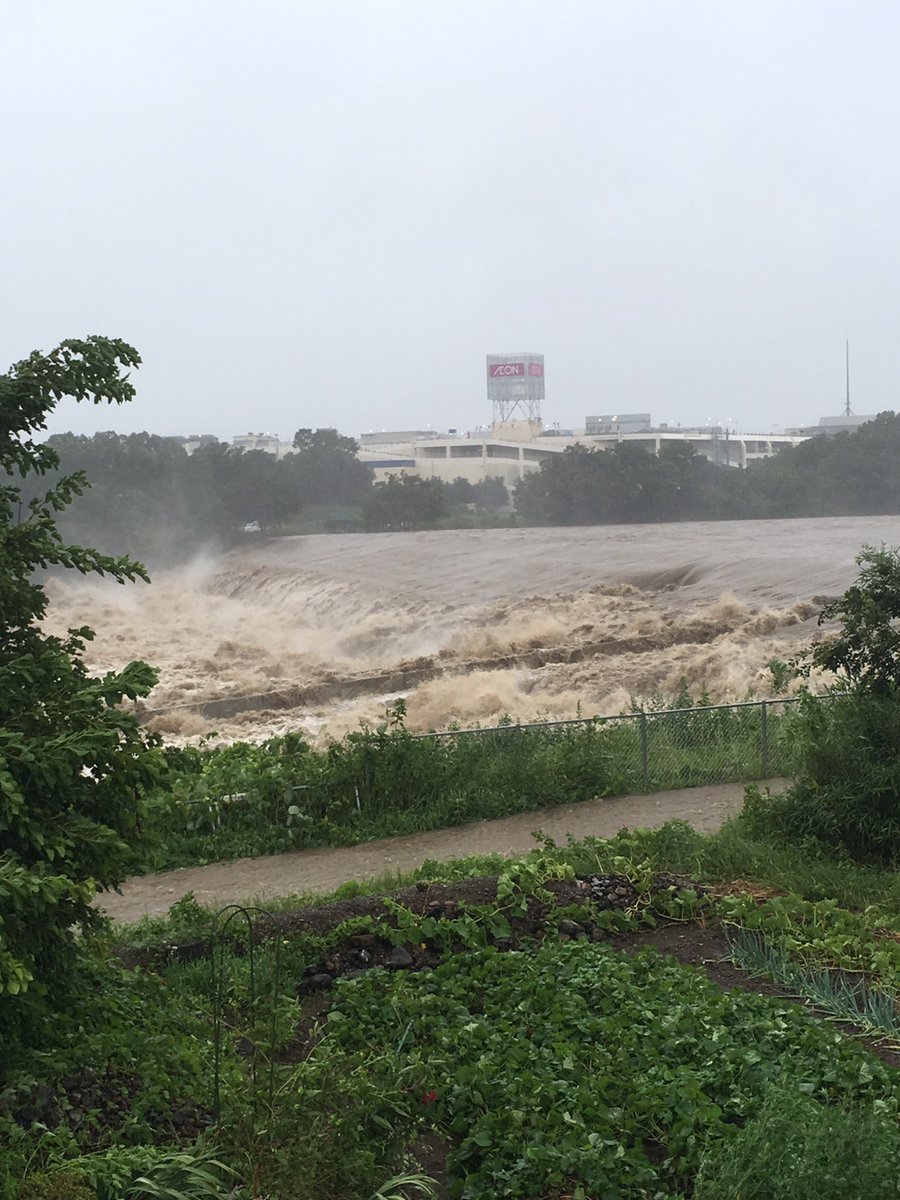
[(400, 958), (319, 982)]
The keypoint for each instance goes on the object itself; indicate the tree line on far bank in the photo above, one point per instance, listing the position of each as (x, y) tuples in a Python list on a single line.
[(849, 474), (148, 494)]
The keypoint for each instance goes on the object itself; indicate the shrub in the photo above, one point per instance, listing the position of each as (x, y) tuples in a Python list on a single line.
[(847, 794), (143, 1173)]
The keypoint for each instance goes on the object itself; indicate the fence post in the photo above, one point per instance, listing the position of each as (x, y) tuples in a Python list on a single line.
[(764, 738), (645, 754)]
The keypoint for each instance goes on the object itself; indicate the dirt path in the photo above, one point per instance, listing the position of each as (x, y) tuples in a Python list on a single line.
[(324, 870)]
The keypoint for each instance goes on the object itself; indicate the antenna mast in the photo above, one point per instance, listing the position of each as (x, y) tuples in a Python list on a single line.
[(847, 408)]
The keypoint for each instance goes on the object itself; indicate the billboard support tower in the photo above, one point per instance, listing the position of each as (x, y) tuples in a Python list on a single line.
[(515, 386)]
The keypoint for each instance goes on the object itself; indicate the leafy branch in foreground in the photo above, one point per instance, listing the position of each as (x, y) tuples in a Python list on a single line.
[(73, 764)]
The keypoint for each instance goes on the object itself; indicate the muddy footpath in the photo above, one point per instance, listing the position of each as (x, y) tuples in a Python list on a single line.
[(323, 870)]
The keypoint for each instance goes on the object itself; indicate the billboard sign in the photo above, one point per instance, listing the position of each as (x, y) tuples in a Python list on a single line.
[(515, 385)]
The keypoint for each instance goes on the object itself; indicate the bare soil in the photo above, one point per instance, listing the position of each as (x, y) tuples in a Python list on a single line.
[(324, 870)]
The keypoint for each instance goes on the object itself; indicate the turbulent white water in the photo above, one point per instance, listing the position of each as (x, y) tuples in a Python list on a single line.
[(318, 633)]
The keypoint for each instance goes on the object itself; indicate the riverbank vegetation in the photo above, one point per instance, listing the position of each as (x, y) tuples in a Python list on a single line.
[(283, 794), (148, 494)]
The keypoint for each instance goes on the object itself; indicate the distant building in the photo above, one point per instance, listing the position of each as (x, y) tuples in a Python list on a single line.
[(194, 441), (618, 423), (512, 450), (390, 437), (845, 423), (267, 442)]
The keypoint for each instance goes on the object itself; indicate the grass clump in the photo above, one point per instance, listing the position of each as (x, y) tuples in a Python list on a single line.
[(797, 1148), (60, 1185)]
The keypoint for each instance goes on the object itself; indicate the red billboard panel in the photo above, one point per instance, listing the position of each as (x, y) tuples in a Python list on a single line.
[(535, 368), (501, 370)]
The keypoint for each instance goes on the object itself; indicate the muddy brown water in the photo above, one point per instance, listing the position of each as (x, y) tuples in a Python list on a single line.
[(320, 633), (324, 870)]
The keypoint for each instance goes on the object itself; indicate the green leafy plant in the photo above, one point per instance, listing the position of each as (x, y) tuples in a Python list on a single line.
[(849, 998), (73, 762), (147, 1173), (820, 932), (577, 1067), (257, 799), (865, 654), (182, 1176)]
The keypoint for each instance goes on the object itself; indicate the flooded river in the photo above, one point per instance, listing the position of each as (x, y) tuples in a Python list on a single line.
[(321, 633)]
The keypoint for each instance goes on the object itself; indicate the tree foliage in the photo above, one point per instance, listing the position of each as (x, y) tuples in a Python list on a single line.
[(627, 483), (406, 502), (866, 651), (326, 468), (148, 494), (403, 502), (73, 763)]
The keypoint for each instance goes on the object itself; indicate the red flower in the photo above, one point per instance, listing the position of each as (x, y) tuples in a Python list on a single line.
[(429, 1097)]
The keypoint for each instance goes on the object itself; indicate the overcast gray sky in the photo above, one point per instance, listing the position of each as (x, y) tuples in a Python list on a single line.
[(327, 213)]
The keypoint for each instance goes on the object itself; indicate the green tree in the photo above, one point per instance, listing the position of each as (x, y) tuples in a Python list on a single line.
[(626, 482), (490, 493), (866, 652), (405, 502), (73, 763), (327, 469), (460, 492), (135, 498)]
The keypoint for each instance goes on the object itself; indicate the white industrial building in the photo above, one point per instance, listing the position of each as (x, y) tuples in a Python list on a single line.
[(512, 449)]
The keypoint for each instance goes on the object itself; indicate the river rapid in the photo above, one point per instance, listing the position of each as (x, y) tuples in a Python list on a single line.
[(320, 634)]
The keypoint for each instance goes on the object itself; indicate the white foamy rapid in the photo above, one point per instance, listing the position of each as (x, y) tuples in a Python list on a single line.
[(319, 633)]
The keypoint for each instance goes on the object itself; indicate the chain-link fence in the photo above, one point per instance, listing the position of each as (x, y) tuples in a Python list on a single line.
[(261, 799), (666, 748)]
